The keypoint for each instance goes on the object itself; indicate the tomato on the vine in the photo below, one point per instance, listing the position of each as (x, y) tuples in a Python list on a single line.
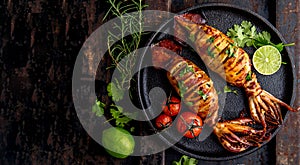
[(190, 124), (163, 121), (171, 106)]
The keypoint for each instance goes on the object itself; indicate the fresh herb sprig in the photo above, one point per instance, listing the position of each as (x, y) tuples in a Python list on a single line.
[(120, 45), (246, 34), (118, 116), (185, 160)]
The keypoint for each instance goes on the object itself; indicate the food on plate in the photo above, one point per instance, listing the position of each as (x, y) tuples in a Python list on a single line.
[(171, 106), (237, 135), (267, 60), (189, 81), (246, 34), (232, 63), (189, 124), (162, 54), (163, 121)]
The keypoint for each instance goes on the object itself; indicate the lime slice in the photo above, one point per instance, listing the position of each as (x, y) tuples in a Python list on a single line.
[(267, 60)]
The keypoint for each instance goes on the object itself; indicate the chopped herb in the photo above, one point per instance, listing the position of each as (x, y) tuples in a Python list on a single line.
[(284, 63), (189, 103), (185, 70), (249, 76), (211, 39), (202, 94), (210, 53), (231, 51), (182, 88), (192, 37), (228, 90), (187, 28)]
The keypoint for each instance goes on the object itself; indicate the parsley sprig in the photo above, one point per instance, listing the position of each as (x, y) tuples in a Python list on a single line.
[(120, 118), (115, 91), (246, 34), (120, 46), (185, 160)]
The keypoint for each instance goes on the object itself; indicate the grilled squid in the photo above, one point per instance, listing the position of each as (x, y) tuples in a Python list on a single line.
[(188, 80), (232, 63), (198, 92)]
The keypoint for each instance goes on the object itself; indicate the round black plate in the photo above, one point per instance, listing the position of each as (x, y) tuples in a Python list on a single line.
[(281, 84)]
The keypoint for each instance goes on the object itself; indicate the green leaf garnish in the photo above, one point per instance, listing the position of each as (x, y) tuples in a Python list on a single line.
[(98, 108), (185, 160), (202, 94), (249, 76), (120, 119), (192, 37), (246, 34), (211, 39), (228, 90), (185, 70), (210, 53), (115, 92), (189, 103), (182, 88), (230, 51)]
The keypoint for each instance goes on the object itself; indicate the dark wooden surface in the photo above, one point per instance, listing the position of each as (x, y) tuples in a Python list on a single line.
[(39, 44)]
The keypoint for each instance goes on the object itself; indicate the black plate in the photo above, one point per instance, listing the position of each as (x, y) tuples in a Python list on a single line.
[(281, 84)]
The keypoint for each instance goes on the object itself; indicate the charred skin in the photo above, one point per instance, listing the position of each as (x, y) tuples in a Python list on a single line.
[(248, 136), (233, 64), (215, 49), (189, 81), (165, 55)]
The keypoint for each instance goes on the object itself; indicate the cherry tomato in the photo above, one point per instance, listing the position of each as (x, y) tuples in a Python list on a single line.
[(171, 106), (190, 124), (163, 121)]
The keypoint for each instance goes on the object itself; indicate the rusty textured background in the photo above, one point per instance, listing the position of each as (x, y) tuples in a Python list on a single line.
[(39, 43)]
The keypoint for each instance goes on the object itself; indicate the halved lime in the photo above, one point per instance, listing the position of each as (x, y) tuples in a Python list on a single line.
[(267, 60), (118, 142)]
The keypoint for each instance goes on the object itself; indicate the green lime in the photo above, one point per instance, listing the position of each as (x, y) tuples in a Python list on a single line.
[(267, 60), (118, 142)]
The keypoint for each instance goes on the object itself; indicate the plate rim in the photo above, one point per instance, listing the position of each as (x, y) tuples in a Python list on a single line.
[(289, 55)]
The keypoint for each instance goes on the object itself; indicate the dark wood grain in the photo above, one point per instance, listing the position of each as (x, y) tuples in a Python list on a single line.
[(288, 139), (39, 44)]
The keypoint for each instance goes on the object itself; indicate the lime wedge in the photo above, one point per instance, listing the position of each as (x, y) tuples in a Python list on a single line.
[(266, 60)]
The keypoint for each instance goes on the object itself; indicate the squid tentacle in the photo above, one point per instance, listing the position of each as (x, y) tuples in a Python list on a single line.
[(214, 48), (283, 104), (236, 135)]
